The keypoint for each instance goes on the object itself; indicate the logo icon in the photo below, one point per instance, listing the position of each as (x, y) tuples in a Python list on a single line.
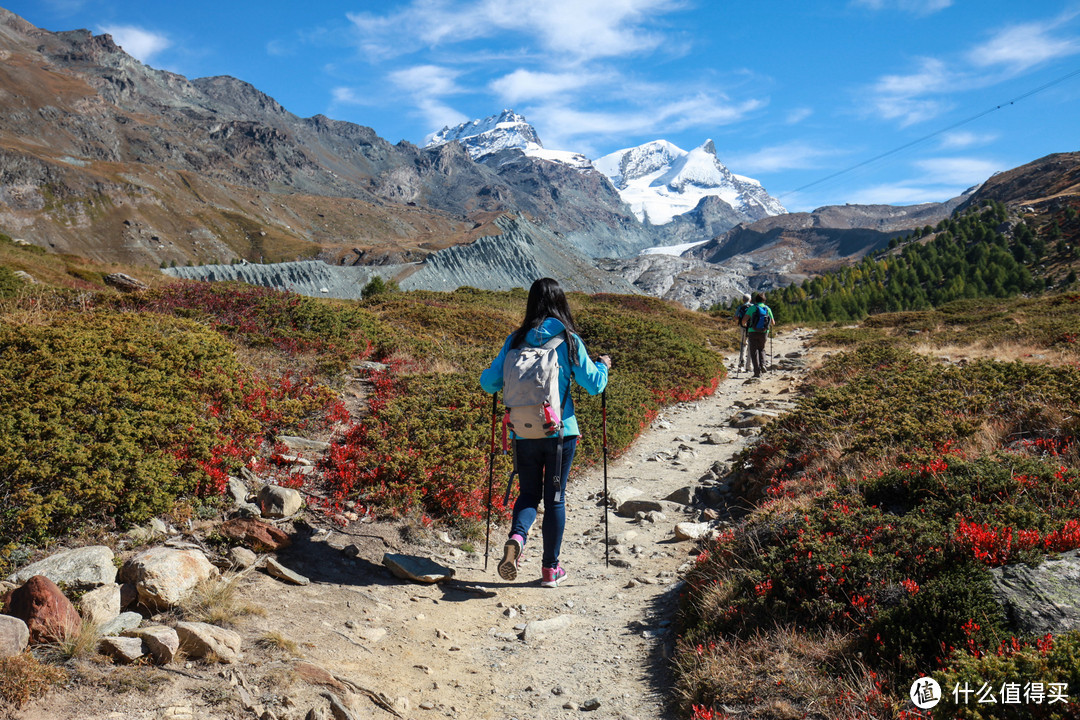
[(925, 693)]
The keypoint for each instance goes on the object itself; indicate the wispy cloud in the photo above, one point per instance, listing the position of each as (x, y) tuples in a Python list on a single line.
[(902, 193), (1010, 51), (427, 85), (917, 7), (577, 30), (796, 155), (797, 115), (137, 42), (957, 170), (1020, 47), (527, 85), (961, 140), (565, 126)]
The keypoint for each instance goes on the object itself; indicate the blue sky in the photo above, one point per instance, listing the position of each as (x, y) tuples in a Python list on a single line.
[(791, 92)]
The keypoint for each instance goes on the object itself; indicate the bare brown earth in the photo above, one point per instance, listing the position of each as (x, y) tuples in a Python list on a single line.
[(390, 648)]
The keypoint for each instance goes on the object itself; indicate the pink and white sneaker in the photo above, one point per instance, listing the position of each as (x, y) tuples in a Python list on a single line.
[(511, 553), (552, 576)]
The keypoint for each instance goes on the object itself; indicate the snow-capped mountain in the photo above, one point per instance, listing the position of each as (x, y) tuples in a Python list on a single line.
[(660, 181), (505, 131)]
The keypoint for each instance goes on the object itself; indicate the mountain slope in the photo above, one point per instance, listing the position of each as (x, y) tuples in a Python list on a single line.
[(111, 159)]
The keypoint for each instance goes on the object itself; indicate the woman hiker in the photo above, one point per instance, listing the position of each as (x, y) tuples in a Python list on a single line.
[(542, 469)]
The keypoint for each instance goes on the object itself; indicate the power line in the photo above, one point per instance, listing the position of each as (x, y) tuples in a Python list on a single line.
[(924, 138)]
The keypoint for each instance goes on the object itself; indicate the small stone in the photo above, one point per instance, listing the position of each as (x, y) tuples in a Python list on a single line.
[(691, 531), (161, 641), (277, 502), (122, 649), (427, 705), (241, 558), (591, 704), (570, 705), (371, 634), (538, 629)]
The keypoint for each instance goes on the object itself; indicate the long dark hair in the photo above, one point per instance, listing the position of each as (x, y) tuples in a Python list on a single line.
[(546, 299)]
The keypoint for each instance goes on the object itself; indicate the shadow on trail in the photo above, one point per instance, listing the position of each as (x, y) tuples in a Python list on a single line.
[(659, 666)]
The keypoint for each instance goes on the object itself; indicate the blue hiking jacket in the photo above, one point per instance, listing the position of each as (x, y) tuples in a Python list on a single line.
[(591, 376)]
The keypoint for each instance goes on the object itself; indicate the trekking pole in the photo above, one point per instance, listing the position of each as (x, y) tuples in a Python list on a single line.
[(772, 357), (491, 475), (603, 414)]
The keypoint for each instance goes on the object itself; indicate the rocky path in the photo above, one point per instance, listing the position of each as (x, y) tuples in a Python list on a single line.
[(477, 647)]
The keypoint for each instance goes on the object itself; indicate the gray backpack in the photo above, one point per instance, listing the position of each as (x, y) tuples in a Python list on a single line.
[(531, 390)]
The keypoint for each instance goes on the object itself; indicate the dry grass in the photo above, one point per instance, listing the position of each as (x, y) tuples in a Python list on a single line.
[(1007, 351), (25, 677), (781, 673), (215, 601), (277, 641), (74, 646)]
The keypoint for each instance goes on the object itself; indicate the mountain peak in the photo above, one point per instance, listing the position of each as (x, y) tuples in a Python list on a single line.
[(660, 181), (505, 131)]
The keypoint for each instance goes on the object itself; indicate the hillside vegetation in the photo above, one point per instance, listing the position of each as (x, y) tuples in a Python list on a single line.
[(983, 252), (118, 408)]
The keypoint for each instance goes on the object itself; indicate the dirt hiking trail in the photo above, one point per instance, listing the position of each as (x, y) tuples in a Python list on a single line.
[(365, 644)]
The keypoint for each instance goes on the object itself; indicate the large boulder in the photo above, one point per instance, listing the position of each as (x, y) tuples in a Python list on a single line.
[(255, 534), (48, 614), (100, 605), (14, 636), (1042, 599), (164, 577), (201, 640), (85, 567)]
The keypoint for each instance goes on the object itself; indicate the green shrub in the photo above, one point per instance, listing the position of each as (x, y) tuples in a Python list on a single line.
[(1047, 661), (110, 417), (10, 284)]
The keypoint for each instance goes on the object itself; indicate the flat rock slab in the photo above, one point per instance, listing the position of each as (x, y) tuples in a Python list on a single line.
[(416, 569), (279, 571), (301, 444), (85, 567), (123, 622), (541, 628)]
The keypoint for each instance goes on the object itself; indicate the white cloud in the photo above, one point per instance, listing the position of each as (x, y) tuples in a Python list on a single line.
[(346, 96), (524, 85), (427, 80), (797, 115), (573, 30), (141, 44), (960, 140), (957, 170), (918, 7), (1020, 47), (563, 126), (789, 156), (426, 84)]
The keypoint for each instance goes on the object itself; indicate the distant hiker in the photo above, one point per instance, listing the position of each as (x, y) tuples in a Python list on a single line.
[(758, 321), (740, 313), (543, 463)]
